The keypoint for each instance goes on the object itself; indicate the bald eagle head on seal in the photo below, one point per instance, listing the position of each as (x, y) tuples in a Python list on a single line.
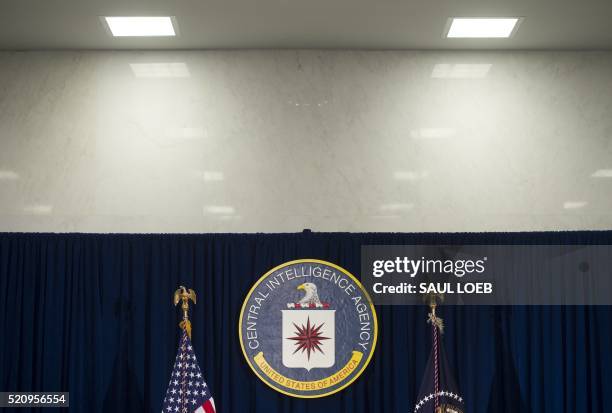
[(311, 296)]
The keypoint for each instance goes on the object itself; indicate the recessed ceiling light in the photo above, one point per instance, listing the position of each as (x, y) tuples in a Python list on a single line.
[(132, 26), (482, 27)]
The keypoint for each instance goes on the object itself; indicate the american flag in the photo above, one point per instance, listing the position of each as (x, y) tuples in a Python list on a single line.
[(187, 392)]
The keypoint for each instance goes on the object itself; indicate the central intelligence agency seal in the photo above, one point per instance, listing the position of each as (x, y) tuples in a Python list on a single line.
[(308, 328)]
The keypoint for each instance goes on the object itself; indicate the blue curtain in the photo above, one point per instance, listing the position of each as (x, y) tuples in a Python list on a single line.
[(93, 315)]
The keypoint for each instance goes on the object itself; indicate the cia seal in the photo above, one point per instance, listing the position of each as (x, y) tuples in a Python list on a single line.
[(308, 328)]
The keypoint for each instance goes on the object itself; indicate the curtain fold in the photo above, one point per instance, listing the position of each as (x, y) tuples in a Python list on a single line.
[(92, 314)]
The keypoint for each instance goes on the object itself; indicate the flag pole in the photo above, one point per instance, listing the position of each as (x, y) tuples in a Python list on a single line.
[(437, 325), (184, 295)]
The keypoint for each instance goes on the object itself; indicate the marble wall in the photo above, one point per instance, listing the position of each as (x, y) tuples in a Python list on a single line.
[(278, 141)]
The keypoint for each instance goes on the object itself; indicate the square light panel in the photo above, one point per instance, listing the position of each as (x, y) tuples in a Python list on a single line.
[(132, 26), (482, 27)]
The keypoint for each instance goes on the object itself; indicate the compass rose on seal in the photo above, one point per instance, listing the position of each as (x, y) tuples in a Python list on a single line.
[(308, 338)]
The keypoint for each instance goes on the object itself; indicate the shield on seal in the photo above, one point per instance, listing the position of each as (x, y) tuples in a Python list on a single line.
[(308, 338)]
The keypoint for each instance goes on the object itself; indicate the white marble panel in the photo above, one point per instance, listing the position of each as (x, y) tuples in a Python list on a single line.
[(277, 141)]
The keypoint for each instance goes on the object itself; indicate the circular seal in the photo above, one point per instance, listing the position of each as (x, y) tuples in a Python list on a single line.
[(308, 328)]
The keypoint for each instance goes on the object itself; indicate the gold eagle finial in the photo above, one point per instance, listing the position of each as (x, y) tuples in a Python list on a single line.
[(184, 295)]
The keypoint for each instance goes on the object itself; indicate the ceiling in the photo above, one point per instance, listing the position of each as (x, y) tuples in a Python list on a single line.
[(345, 24)]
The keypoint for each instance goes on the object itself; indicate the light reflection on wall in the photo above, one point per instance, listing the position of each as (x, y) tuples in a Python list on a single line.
[(460, 70), (160, 70)]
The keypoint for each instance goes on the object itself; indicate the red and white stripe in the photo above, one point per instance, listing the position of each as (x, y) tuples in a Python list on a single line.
[(207, 407)]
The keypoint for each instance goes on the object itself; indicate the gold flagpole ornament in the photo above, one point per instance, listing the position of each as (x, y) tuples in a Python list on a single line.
[(184, 295), (433, 303)]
